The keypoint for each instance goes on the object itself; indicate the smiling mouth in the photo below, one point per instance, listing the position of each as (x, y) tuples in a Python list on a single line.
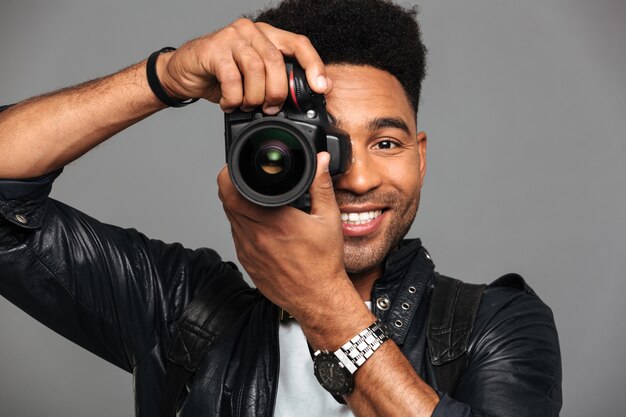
[(363, 217)]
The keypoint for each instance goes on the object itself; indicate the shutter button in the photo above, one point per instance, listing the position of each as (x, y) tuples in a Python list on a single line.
[(382, 303), (21, 218)]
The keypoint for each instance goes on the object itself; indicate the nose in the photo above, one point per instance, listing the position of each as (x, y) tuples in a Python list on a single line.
[(362, 176)]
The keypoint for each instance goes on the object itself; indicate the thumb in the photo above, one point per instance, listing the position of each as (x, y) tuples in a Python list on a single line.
[(323, 201)]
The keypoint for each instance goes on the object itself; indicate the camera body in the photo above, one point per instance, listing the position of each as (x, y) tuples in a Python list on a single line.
[(272, 159)]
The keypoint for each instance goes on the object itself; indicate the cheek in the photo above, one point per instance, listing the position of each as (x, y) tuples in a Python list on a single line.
[(404, 176)]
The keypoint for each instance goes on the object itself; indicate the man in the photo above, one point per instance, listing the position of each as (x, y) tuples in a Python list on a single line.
[(120, 295)]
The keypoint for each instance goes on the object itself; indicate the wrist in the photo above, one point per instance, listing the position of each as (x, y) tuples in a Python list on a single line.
[(163, 75), (159, 80), (335, 369), (342, 314)]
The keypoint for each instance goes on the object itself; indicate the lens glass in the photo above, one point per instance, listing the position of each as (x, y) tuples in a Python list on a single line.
[(273, 158), (272, 161)]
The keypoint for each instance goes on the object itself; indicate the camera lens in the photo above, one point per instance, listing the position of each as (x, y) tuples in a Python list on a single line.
[(273, 159), (272, 163)]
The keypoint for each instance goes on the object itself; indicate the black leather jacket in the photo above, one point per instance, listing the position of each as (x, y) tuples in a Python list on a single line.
[(119, 295)]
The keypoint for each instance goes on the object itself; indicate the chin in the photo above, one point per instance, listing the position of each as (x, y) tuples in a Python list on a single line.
[(363, 254), (360, 257)]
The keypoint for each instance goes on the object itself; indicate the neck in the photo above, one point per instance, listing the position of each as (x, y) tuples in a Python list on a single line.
[(364, 281)]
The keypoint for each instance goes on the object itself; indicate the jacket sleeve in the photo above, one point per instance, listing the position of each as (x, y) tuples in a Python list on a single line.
[(514, 363), (111, 290)]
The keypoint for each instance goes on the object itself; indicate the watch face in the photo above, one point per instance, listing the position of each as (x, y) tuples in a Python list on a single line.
[(332, 375)]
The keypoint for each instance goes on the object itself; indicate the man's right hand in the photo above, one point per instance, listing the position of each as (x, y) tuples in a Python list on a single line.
[(240, 66)]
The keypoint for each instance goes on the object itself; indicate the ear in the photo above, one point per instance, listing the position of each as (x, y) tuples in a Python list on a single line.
[(421, 148)]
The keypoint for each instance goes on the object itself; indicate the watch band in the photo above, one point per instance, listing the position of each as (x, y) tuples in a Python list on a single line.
[(357, 350), (335, 371)]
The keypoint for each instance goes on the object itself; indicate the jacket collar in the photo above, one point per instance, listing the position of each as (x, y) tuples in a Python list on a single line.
[(401, 289), (399, 260)]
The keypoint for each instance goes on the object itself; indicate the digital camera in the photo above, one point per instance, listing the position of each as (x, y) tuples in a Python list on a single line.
[(272, 159)]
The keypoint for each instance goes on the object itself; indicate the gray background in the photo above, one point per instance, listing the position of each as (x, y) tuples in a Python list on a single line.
[(525, 109)]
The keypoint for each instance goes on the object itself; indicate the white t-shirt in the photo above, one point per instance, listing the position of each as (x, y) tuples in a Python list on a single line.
[(299, 393)]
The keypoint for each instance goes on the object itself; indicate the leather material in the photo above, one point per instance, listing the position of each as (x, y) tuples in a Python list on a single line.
[(453, 308), (210, 314), (119, 295), (200, 327)]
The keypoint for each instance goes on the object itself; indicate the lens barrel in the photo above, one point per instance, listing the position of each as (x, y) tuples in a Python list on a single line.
[(272, 163)]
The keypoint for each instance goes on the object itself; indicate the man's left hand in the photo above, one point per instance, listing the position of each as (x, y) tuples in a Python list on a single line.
[(295, 259)]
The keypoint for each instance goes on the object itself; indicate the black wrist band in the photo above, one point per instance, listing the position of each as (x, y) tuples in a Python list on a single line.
[(155, 84)]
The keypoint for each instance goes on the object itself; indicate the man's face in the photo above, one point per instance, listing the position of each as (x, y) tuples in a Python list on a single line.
[(378, 197)]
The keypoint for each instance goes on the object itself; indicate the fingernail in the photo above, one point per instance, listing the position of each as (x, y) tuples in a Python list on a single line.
[(326, 163), (272, 110), (321, 82)]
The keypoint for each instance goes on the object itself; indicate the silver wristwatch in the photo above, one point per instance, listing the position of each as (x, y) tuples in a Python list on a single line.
[(335, 370)]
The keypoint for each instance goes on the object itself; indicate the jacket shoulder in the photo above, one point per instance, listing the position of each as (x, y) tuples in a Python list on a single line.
[(510, 294), (514, 353)]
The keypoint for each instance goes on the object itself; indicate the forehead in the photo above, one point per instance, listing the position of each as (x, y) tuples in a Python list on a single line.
[(363, 93)]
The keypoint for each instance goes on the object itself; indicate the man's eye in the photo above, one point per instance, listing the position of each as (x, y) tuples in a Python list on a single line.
[(386, 144)]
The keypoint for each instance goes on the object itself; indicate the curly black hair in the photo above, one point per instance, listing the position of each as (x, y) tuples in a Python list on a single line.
[(377, 33)]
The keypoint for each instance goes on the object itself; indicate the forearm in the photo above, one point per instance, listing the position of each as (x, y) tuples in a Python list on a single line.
[(45, 133), (387, 384)]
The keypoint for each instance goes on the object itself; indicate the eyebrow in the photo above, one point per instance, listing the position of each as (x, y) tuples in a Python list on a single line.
[(379, 123), (392, 122)]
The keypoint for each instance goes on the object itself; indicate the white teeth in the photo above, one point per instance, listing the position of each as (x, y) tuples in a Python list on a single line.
[(360, 218)]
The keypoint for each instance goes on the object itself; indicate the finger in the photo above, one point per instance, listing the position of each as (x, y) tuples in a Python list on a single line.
[(276, 84), (236, 231), (276, 88), (249, 62), (323, 201), (274, 91), (236, 226), (237, 204), (229, 77), (300, 47), (252, 69)]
